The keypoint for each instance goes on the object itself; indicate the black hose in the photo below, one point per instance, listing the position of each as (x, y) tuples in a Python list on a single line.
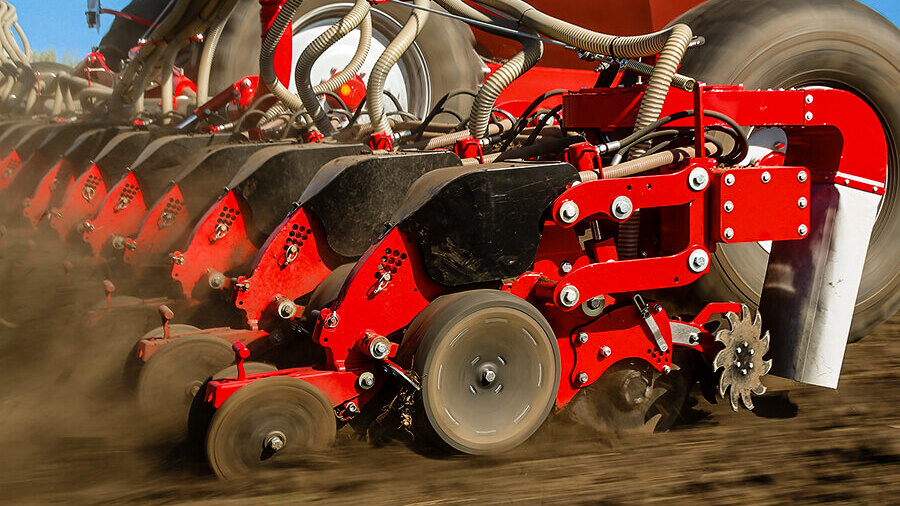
[(543, 122), (522, 121), (546, 147)]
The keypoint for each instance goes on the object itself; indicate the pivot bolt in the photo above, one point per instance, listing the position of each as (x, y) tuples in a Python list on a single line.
[(605, 351), (729, 206), (801, 176), (694, 338), (569, 296), (352, 407), (729, 233), (729, 179), (802, 203), (380, 349), (622, 208), (582, 337), (286, 308), (698, 260), (366, 380), (582, 378), (766, 177), (568, 212), (275, 441), (802, 230), (565, 267), (698, 179), (593, 307)]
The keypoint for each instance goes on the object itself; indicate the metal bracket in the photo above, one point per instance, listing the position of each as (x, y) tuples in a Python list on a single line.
[(644, 309)]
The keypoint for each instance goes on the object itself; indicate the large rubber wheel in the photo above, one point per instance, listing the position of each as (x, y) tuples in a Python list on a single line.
[(631, 396), (802, 43), (270, 420), (490, 369), (442, 60), (172, 377)]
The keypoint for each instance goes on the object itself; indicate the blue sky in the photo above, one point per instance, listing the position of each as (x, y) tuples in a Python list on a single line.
[(61, 24)]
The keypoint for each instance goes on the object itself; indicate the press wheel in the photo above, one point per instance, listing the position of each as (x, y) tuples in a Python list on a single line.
[(132, 368), (490, 369), (172, 377), (270, 420)]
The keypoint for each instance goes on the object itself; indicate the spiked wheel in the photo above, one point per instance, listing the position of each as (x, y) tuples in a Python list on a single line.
[(633, 397), (173, 375), (741, 360), (490, 370), (269, 420)]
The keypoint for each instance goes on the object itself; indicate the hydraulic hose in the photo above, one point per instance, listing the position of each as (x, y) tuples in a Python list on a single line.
[(390, 56), (358, 14), (480, 116)]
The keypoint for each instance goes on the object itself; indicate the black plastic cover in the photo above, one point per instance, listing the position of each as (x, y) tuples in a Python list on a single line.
[(272, 178), (113, 160), (88, 144), (355, 195), (482, 223), (165, 157), (14, 134)]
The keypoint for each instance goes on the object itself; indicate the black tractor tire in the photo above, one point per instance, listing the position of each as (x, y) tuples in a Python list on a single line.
[(801, 43), (447, 46)]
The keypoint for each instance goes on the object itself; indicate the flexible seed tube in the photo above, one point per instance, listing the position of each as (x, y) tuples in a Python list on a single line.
[(308, 94), (209, 50), (390, 56), (451, 138), (267, 55), (480, 115)]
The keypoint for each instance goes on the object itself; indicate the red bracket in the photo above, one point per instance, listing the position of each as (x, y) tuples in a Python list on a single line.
[(469, 147), (381, 141), (241, 353)]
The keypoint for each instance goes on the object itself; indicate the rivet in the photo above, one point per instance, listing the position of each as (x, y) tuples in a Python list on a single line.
[(729, 206), (766, 177), (729, 179), (802, 230), (802, 203), (801, 176)]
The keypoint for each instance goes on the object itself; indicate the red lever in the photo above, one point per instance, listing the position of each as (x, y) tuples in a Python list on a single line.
[(165, 314), (109, 288), (241, 352)]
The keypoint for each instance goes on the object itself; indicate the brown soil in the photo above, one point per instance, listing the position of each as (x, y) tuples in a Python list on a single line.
[(67, 435)]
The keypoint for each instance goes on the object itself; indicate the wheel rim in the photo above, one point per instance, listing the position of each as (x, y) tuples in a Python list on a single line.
[(489, 380), (270, 420), (408, 80), (171, 378)]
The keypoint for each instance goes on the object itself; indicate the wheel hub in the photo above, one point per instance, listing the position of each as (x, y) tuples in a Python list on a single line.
[(487, 374), (741, 359), (636, 389), (275, 441)]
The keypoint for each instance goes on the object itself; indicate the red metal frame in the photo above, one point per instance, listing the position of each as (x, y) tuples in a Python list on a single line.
[(120, 213), (164, 223), (81, 201)]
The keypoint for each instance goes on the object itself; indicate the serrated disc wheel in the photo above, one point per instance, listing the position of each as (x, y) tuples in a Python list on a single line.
[(631, 396), (270, 420), (489, 365)]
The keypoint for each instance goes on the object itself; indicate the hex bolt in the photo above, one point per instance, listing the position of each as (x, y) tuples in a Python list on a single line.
[(698, 179), (622, 208), (275, 441), (666, 369), (380, 349), (729, 206), (750, 365), (729, 179), (802, 230), (606, 351), (352, 407), (569, 296), (286, 307), (752, 352), (809, 115), (568, 212), (738, 350), (698, 260), (565, 267), (744, 372), (729, 233), (488, 376), (765, 177), (582, 378), (694, 338), (809, 99), (366, 380), (801, 176), (738, 363), (802, 203), (582, 337)]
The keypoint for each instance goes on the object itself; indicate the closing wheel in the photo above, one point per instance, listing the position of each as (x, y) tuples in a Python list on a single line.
[(270, 420), (633, 397), (172, 377), (796, 44), (489, 365), (133, 364)]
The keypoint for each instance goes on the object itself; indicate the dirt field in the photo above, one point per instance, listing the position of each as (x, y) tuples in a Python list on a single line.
[(67, 436)]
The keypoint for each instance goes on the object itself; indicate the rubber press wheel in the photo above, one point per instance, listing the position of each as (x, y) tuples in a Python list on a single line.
[(275, 419), (490, 369), (172, 377), (133, 364), (796, 44)]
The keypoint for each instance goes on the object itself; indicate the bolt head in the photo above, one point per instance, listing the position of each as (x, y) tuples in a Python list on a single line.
[(276, 443), (809, 115), (802, 230), (729, 206), (380, 349), (802, 203), (366, 380), (729, 179), (694, 338), (569, 296), (801, 176), (698, 260), (568, 212), (809, 99), (728, 233), (488, 376), (583, 337), (621, 208), (765, 177), (666, 369), (582, 378), (565, 267), (698, 179), (606, 351), (352, 407)]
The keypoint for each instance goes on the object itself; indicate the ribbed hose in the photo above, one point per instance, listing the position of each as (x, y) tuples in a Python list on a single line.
[(390, 56), (309, 95), (480, 116), (451, 138), (165, 77), (206, 57), (267, 55)]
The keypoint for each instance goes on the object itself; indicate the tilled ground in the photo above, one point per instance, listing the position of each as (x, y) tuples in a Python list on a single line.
[(68, 436)]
